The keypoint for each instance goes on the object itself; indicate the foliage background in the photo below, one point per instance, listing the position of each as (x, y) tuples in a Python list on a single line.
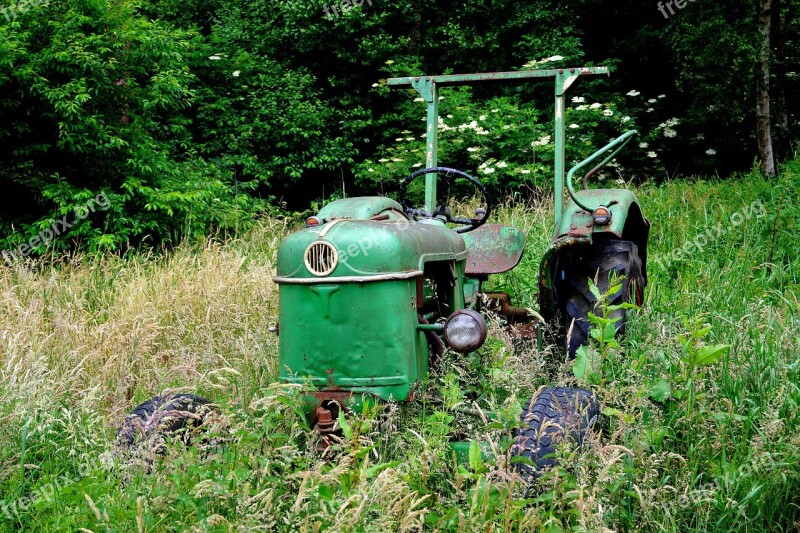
[(194, 117)]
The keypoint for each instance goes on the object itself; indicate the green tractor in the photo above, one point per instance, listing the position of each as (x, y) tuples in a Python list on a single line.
[(373, 290)]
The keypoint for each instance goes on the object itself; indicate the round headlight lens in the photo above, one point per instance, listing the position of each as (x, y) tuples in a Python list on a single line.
[(465, 331)]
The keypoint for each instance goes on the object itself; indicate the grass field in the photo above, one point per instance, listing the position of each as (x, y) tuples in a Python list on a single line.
[(687, 445)]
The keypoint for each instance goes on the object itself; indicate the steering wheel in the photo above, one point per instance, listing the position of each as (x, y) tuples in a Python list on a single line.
[(442, 210)]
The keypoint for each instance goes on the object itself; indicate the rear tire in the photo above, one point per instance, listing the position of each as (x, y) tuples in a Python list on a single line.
[(554, 415), (598, 262)]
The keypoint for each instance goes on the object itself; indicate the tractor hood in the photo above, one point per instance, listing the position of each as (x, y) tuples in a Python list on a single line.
[(365, 250)]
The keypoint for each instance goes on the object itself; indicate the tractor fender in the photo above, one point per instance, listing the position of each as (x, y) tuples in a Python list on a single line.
[(576, 227), (577, 223)]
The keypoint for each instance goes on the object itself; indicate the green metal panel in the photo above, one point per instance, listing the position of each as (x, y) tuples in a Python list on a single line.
[(362, 208), (369, 247), (357, 329), (357, 337), (578, 224)]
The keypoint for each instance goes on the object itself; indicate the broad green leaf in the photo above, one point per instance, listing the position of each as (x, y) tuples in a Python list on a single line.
[(581, 364), (700, 333), (625, 417), (609, 333), (325, 492), (475, 460), (586, 361), (594, 290), (708, 355), (348, 432), (375, 469), (661, 391)]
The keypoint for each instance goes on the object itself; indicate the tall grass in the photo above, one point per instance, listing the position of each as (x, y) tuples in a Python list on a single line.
[(83, 341)]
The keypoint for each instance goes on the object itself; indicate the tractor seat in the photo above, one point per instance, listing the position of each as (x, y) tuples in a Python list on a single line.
[(493, 249)]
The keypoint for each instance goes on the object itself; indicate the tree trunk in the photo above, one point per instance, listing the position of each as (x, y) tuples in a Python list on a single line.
[(764, 130), (778, 40)]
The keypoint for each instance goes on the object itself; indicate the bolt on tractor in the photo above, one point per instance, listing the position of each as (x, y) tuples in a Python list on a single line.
[(373, 291)]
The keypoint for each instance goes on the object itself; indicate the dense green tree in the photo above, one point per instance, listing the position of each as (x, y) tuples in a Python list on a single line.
[(187, 115), (93, 102)]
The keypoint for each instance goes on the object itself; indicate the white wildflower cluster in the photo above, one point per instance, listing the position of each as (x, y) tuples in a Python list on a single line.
[(532, 63), (487, 168), (443, 126), (711, 151), (668, 126), (608, 112), (473, 125), (544, 141)]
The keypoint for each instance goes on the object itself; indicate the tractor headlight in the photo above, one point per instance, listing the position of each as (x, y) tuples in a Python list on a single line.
[(601, 215), (465, 331)]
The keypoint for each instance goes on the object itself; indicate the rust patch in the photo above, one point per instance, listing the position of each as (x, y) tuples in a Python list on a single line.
[(500, 303), (325, 426), (335, 394)]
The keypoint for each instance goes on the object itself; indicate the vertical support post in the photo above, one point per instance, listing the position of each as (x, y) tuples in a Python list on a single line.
[(560, 150), (431, 150), (429, 92), (564, 79)]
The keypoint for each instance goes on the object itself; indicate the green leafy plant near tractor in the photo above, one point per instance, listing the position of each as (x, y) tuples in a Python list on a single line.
[(373, 290)]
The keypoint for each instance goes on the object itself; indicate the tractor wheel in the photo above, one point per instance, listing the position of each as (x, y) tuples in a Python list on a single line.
[(554, 415), (598, 262), (162, 416)]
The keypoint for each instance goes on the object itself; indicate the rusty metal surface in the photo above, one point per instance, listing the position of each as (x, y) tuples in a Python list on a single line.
[(325, 426), (500, 303), (493, 249)]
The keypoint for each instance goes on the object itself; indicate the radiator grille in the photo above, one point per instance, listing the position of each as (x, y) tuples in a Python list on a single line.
[(321, 258)]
